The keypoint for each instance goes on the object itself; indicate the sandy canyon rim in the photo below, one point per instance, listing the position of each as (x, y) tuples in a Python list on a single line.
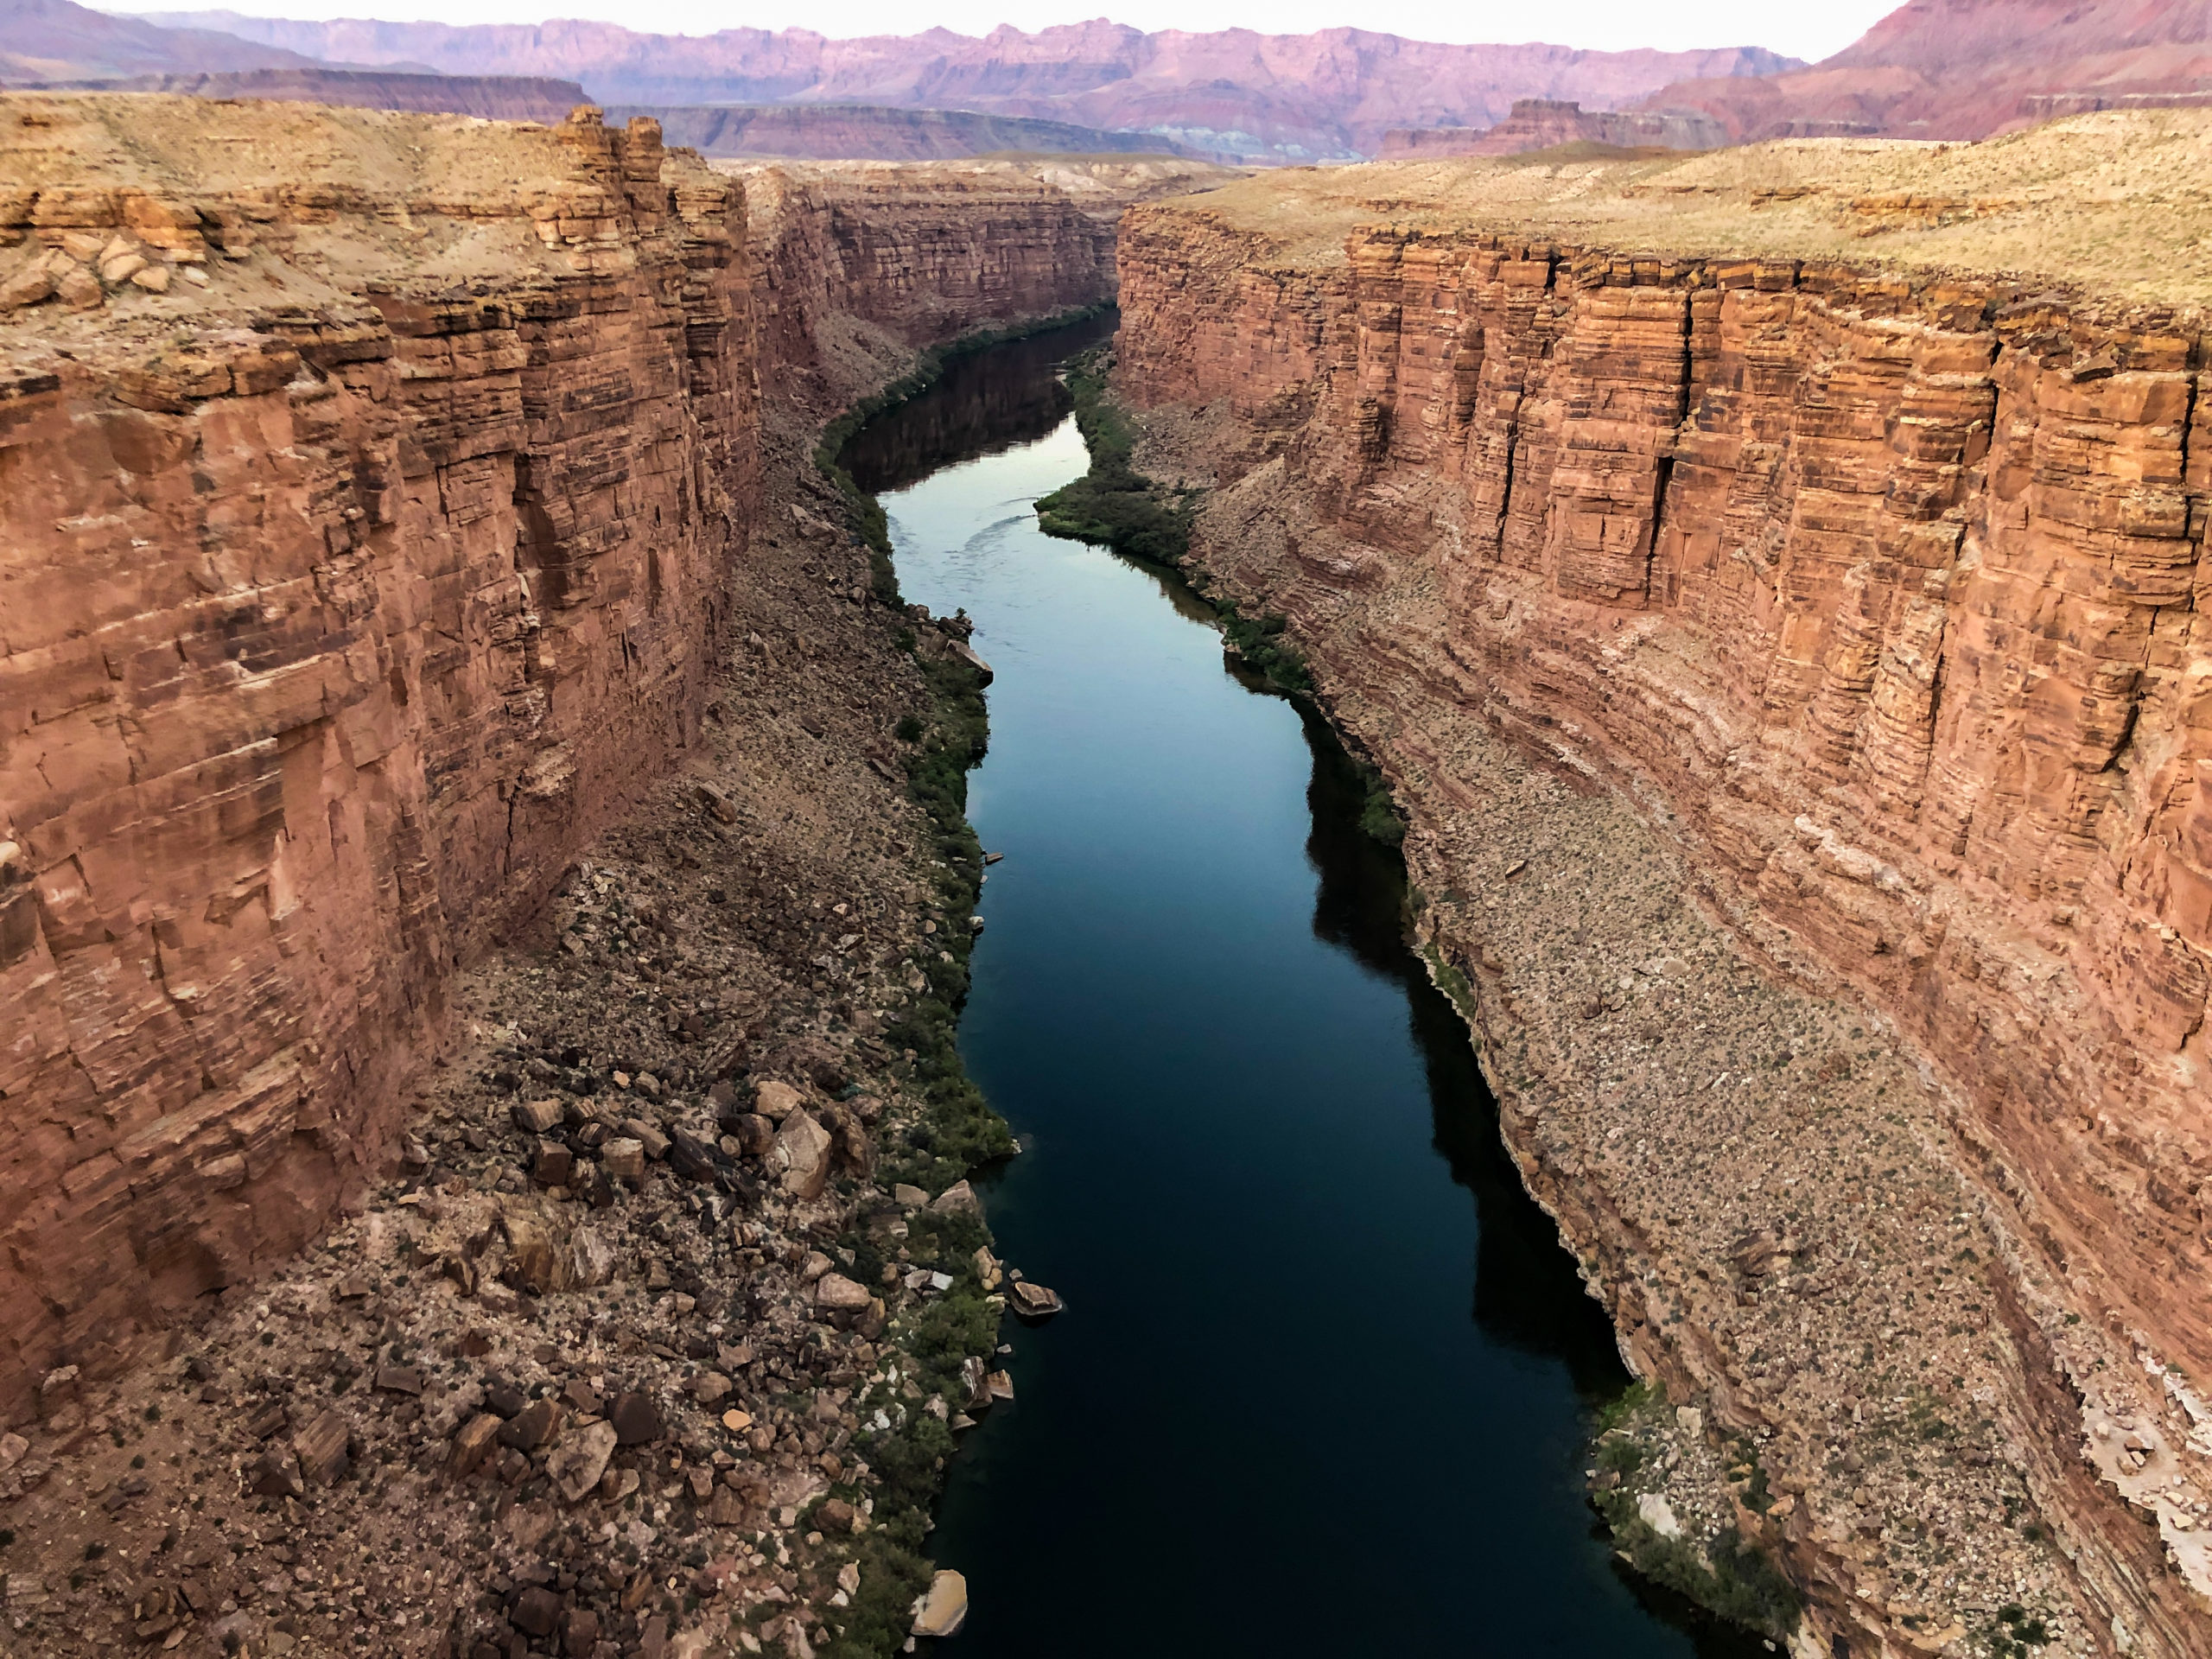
[(1452, 413)]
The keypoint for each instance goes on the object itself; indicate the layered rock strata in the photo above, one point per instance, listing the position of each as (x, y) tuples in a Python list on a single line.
[(1858, 605), (374, 488), (917, 253)]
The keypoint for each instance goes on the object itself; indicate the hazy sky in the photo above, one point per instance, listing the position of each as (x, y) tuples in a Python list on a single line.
[(1808, 31)]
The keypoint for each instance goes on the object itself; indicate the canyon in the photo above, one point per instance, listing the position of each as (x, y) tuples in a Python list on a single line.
[(874, 133), (1790, 667), (472, 893)]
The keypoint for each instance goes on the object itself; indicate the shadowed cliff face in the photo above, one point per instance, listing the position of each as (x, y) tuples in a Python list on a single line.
[(1881, 595), (350, 593)]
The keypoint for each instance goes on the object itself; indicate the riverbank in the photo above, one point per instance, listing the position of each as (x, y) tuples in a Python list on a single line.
[(1526, 881), (1262, 1166)]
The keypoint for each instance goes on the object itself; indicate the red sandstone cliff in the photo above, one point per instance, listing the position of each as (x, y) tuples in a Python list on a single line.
[(371, 483), (1882, 593)]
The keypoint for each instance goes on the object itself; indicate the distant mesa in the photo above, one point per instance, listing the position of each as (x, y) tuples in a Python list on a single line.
[(1938, 69), (498, 97), (1327, 96), (1966, 69), (876, 133), (1538, 123)]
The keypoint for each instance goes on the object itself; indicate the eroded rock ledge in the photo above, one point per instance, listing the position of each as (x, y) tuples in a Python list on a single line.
[(1792, 671)]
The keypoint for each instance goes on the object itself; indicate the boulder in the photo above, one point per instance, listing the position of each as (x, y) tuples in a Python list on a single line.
[(975, 1385), (472, 1442), (537, 1424), (691, 1157), (778, 1100), (28, 288), (535, 1117), (577, 1464), (536, 1611), (1653, 1510), (958, 1199), (79, 288), (637, 1420), (802, 1153), (943, 1609), (1033, 1301), (531, 1255), (275, 1474), (835, 1292), (753, 1133), (323, 1449), (624, 1160)]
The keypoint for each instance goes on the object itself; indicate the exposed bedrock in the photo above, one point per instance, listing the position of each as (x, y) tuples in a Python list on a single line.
[(1874, 605), (345, 595)]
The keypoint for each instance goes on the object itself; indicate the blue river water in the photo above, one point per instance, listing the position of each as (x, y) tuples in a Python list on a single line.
[(1326, 1375)]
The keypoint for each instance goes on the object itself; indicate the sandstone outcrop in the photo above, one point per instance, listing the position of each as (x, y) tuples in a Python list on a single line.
[(360, 568), (922, 252), (1874, 591)]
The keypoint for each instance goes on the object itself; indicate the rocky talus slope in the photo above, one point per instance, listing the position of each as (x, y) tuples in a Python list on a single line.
[(1792, 667), (460, 790)]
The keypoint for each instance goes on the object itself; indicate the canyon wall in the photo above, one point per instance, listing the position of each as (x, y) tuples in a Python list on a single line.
[(1881, 593), (370, 488), (886, 256)]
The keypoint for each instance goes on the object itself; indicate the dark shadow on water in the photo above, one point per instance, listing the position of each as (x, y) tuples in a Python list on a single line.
[(984, 403), (1527, 1294), (1522, 1538)]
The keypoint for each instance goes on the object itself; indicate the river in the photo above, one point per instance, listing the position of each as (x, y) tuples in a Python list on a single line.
[(1326, 1375)]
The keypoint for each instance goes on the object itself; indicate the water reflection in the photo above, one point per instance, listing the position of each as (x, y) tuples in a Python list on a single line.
[(1526, 1292), (984, 403)]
